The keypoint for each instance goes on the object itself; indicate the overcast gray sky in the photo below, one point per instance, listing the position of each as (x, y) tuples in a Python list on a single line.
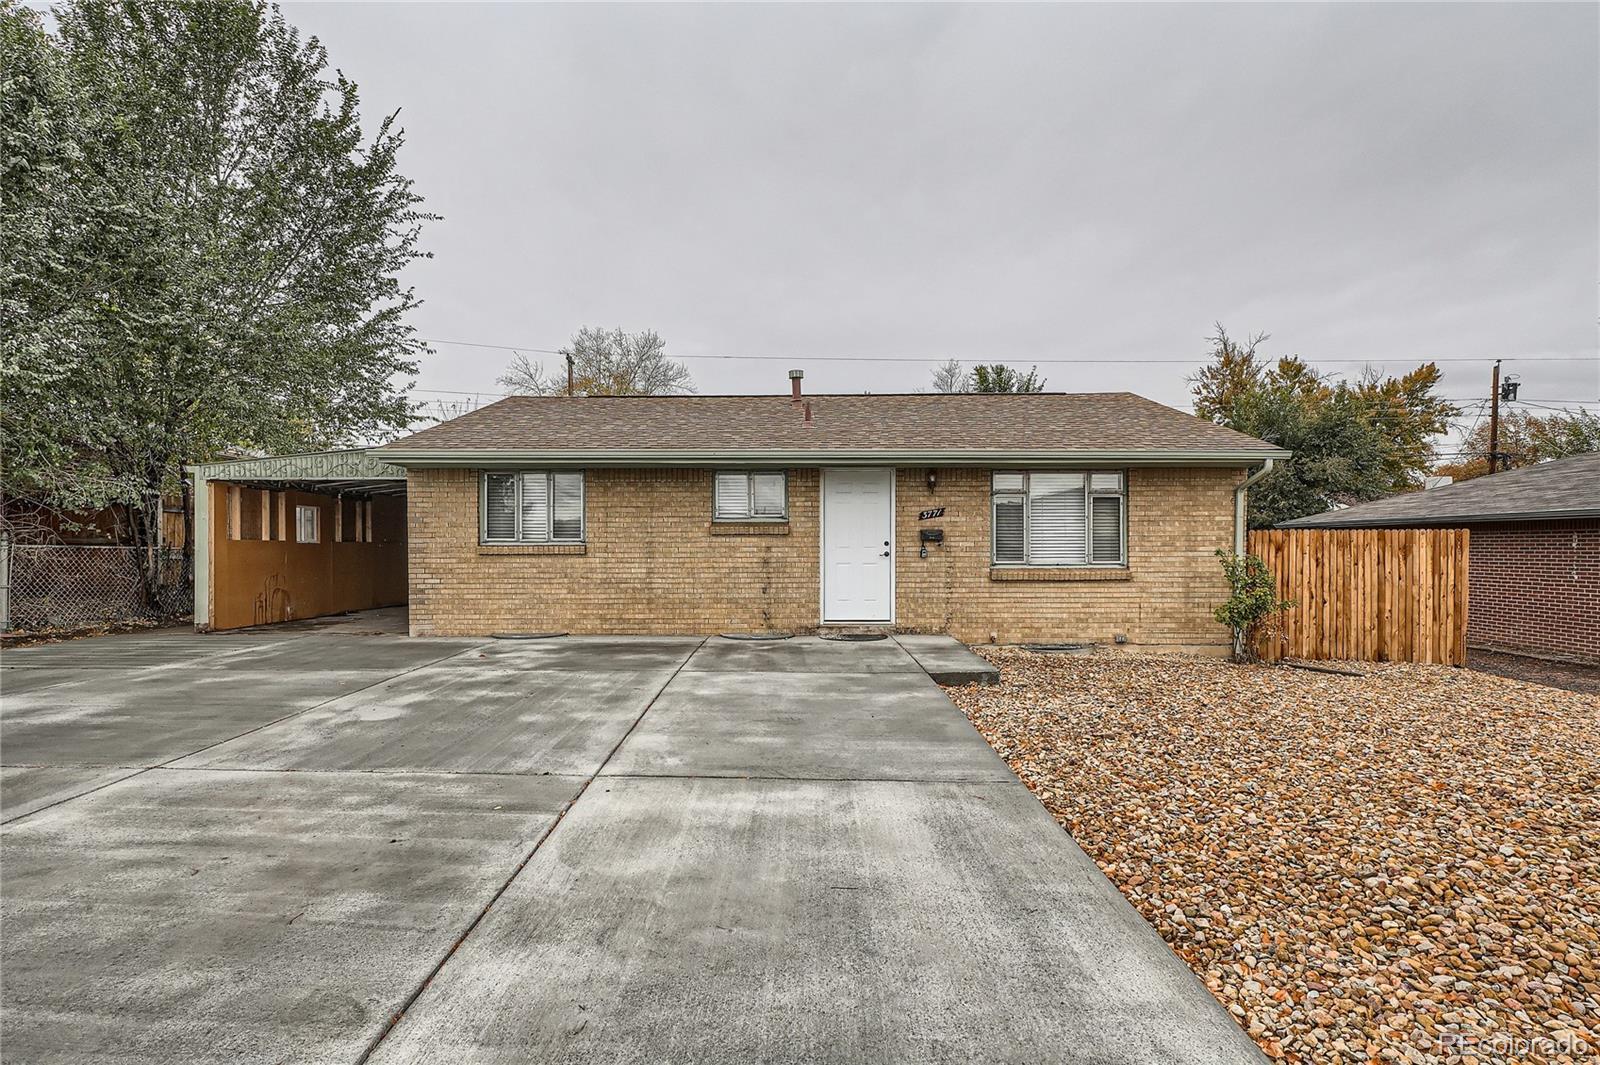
[(1017, 184)]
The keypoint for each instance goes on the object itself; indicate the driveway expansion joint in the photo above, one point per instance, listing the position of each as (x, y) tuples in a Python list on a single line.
[(845, 841), (561, 816), (974, 781)]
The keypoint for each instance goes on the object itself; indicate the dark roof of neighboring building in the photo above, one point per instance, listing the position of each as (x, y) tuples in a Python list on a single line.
[(1563, 488), (901, 425)]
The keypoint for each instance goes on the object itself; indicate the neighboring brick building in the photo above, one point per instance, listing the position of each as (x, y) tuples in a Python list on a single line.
[(991, 517), (1535, 552)]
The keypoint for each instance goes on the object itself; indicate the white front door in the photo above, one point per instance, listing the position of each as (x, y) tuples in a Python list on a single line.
[(858, 545)]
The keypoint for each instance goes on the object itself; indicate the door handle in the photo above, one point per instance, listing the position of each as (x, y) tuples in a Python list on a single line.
[(886, 554)]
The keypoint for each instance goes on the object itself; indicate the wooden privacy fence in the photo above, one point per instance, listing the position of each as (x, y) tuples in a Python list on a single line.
[(1375, 595)]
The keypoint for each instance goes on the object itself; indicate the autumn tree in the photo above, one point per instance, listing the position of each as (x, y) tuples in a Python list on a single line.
[(1524, 440), (202, 250), (1352, 441), (605, 362), (1232, 374), (998, 377)]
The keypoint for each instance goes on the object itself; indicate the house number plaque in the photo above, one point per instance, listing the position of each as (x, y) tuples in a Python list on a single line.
[(926, 515)]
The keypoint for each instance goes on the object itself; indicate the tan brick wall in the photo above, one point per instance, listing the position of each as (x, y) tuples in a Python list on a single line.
[(1177, 518), (655, 564), (652, 563)]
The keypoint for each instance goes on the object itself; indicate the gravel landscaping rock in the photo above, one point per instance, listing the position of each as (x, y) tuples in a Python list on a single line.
[(1398, 867)]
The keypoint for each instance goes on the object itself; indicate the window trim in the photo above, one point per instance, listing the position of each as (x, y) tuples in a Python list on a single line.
[(749, 517), (519, 479), (316, 523), (1089, 495)]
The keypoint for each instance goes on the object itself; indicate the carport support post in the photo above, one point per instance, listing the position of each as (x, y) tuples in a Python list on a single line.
[(202, 549)]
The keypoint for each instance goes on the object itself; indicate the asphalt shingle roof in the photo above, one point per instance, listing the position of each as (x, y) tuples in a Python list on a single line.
[(1050, 421), (1564, 488)]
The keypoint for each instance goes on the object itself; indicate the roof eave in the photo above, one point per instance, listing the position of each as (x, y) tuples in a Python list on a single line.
[(419, 458), (1435, 521)]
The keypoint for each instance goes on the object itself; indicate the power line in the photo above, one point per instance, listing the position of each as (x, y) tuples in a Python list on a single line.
[(1470, 403), (521, 348), (459, 392), (1531, 400), (518, 348), (1567, 403), (1468, 435)]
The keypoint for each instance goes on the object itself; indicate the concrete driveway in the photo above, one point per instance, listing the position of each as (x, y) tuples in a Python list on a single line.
[(339, 848)]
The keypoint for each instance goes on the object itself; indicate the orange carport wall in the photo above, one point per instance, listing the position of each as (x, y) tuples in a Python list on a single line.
[(256, 582)]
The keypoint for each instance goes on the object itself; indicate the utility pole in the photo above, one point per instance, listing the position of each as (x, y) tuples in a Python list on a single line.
[(1494, 418), (568, 354)]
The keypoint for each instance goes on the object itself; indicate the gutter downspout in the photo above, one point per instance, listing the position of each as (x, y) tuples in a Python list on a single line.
[(1238, 504)]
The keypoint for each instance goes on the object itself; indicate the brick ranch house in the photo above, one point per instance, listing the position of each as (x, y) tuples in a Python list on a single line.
[(1534, 552), (995, 518), (990, 517)]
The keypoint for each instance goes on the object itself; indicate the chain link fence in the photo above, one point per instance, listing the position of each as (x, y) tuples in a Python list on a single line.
[(69, 586)]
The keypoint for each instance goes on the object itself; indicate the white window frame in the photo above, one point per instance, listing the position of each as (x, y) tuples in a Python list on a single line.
[(300, 511), (749, 514), (1089, 496), (521, 537)]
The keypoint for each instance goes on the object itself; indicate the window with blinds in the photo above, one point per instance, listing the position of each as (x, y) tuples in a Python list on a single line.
[(750, 495), (531, 507), (1059, 518)]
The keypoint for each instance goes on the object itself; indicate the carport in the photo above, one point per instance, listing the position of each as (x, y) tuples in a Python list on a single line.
[(288, 537)]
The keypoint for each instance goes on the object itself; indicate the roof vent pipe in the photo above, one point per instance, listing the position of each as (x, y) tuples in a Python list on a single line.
[(794, 384)]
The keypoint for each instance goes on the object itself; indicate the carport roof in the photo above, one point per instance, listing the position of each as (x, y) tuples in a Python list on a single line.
[(351, 470), (944, 428)]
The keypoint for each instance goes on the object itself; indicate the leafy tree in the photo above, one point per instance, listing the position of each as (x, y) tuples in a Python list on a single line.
[(1408, 417), (1526, 439), (950, 376), (1251, 603), (53, 204), (997, 377), (202, 251), (605, 362), (1351, 441), (1233, 374)]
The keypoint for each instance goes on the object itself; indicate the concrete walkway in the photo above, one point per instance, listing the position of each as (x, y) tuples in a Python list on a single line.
[(335, 847)]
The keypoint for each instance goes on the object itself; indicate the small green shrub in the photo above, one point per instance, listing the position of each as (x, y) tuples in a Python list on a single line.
[(1252, 604)]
